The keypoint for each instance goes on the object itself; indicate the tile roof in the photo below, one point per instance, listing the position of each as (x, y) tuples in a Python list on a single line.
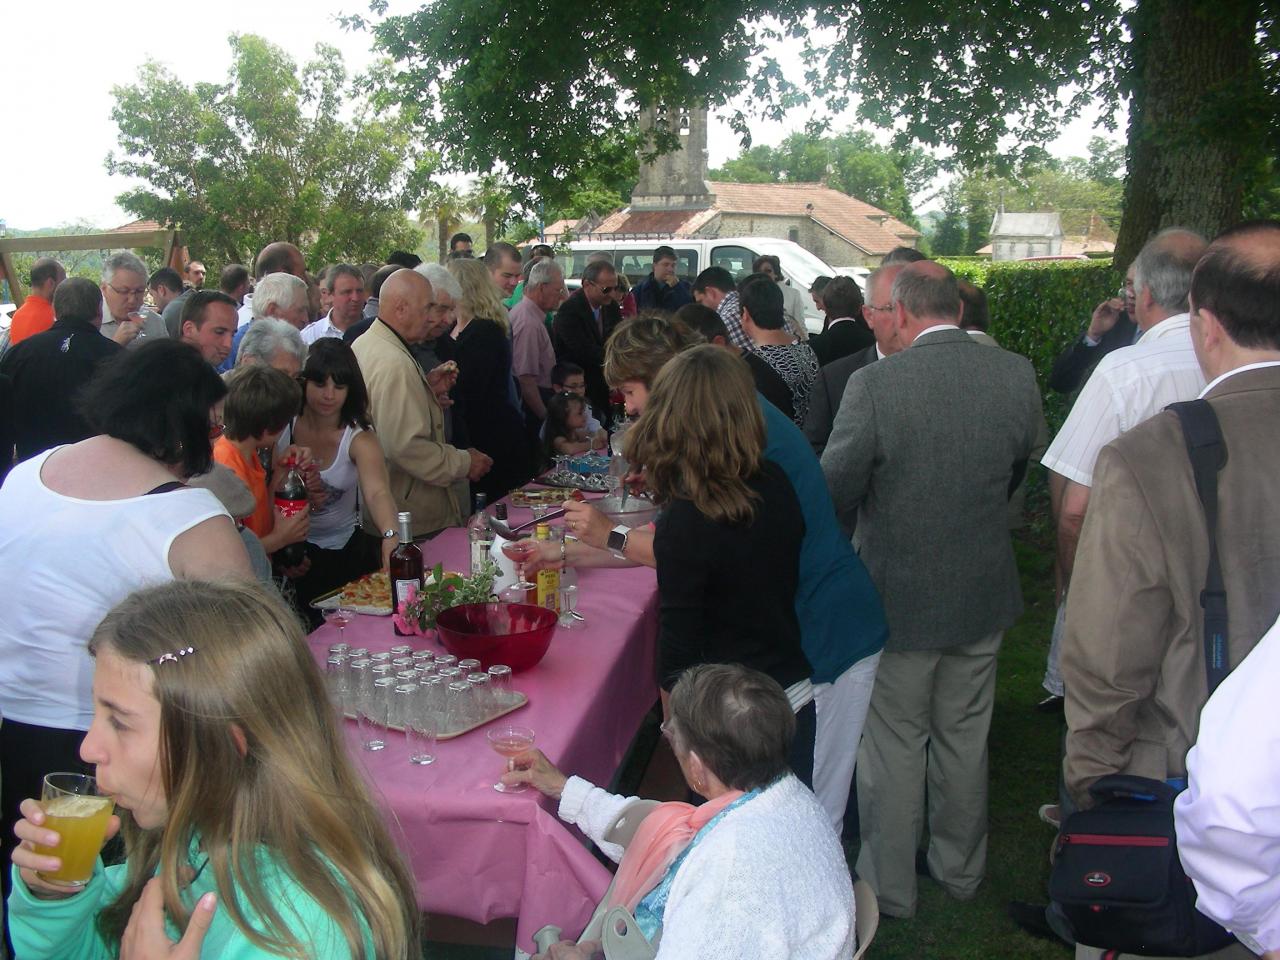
[(138, 226), (867, 227), (1043, 224), (657, 222)]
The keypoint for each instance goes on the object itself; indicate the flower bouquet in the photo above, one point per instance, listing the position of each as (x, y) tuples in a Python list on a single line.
[(417, 613)]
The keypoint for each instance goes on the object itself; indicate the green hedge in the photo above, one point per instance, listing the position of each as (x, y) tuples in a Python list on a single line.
[(1038, 308)]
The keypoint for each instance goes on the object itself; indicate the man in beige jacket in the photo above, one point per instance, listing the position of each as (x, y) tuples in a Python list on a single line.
[(405, 406)]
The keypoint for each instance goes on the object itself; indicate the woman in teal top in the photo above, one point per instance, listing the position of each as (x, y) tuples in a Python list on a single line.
[(248, 832)]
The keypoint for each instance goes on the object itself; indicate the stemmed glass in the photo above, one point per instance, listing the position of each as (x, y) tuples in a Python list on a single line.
[(510, 740), (569, 598), (520, 552), (340, 617)]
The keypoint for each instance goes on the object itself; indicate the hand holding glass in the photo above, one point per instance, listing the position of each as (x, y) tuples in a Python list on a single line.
[(520, 552), (510, 740), (75, 811)]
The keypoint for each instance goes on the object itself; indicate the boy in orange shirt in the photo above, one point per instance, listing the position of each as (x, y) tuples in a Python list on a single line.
[(259, 405)]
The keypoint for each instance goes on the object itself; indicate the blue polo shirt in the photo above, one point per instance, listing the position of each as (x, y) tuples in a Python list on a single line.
[(841, 617)]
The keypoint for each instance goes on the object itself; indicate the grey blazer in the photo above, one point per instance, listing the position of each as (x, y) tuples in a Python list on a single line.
[(825, 394), (924, 447)]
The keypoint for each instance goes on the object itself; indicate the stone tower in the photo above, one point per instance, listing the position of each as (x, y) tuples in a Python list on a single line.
[(675, 180)]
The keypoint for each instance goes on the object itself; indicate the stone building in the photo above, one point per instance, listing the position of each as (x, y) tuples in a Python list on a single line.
[(673, 198)]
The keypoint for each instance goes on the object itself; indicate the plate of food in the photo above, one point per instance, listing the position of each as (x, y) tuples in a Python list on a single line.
[(540, 496), (370, 595)]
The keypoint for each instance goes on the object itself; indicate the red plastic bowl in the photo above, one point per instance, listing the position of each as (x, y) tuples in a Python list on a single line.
[(517, 634)]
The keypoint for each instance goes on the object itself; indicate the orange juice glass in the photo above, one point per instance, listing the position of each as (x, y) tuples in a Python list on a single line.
[(73, 809)]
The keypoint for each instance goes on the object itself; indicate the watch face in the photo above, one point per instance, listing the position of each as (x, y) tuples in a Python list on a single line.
[(616, 541)]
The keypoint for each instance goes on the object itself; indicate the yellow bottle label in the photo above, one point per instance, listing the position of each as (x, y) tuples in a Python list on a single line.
[(548, 580)]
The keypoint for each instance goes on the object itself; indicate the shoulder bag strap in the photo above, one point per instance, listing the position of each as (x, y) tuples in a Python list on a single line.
[(1208, 452)]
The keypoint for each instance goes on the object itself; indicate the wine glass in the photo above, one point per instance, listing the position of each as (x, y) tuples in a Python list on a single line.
[(520, 552), (569, 598), (340, 617), (510, 740)]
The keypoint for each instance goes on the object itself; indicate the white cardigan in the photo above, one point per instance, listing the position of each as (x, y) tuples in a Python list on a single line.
[(768, 881)]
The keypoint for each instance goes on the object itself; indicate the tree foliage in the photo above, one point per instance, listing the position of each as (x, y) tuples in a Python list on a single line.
[(851, 162), (267, 156), (528, 87)]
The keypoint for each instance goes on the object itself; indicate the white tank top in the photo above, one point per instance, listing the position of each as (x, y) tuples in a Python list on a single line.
[(331, 524), (64, 563)]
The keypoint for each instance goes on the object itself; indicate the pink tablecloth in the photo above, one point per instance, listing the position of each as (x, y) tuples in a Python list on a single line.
[(479, 854)]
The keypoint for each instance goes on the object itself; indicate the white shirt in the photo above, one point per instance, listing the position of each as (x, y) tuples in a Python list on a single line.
[(934, 329), (1228, 818), (321, 328), (1231, 373), (46, 673), (1128, 386), (244, 316)]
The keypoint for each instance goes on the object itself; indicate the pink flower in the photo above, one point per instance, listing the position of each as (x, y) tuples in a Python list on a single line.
[(450, 588), (403, 625)]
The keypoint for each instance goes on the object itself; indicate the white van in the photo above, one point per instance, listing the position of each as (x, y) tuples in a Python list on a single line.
[(694, 254)]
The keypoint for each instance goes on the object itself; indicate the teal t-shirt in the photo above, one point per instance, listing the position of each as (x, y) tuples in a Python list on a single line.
[(841, 617)]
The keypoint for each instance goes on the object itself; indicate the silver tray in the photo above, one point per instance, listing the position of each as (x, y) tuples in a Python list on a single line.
[(520, 701)]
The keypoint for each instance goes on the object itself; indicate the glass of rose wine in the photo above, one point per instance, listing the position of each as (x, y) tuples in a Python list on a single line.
[(340, 617), (520, 552), (510, 740)]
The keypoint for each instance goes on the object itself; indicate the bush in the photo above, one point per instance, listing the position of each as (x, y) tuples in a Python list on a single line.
[(1039, 308)]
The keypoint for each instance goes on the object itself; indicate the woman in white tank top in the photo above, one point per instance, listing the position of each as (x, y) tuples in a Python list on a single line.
[(334, 425), (84, 525)]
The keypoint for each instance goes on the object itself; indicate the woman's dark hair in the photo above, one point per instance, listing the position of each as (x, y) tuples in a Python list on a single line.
[(330, 357), (558, 409), (157, 398), (738, 720)]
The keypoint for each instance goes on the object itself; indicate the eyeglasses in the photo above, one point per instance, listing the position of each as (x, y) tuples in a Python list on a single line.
[(872, 306), (603, 288), (128, 291)]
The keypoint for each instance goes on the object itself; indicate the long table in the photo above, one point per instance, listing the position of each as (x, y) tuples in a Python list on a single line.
[(479, 854)]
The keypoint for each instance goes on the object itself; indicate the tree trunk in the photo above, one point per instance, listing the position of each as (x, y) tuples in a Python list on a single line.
[(1196, 132)]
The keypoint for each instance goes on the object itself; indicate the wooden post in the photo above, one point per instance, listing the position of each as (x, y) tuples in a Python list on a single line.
[(7, 272)]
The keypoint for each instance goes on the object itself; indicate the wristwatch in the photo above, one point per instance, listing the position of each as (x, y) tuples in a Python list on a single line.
[(389, 534), (617, 541)]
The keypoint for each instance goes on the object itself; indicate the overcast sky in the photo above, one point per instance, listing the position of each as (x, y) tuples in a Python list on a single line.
[(59, 75)]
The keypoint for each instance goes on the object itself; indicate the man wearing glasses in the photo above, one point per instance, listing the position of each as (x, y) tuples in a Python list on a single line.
[(124, 319), (583, 324)]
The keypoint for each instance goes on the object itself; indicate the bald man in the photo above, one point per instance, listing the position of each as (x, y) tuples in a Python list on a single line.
[(926, 446), (278, 257), (405, 406)]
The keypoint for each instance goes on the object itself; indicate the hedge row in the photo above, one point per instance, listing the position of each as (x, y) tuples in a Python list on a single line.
[(1039, 308)]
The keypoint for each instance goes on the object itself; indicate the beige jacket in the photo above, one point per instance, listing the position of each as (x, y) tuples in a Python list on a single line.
[(410, 427), (1133, 657)]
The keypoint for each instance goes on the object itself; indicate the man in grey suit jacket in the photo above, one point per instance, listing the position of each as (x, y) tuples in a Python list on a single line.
[(828, 388), (927, 446)]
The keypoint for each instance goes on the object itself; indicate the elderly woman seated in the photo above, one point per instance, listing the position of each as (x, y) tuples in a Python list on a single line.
[(756, 870)]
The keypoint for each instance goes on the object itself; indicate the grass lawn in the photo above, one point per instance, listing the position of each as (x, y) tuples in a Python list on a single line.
[(1024, 760)]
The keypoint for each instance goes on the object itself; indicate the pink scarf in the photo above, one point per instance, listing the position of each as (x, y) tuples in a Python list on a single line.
[(666, 831)]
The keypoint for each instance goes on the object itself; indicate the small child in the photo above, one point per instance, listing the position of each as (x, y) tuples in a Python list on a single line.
[(566, 427), (567, 377), (260, 402)]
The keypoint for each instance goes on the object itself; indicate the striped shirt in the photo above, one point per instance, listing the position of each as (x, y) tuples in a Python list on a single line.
[(1129, 386)]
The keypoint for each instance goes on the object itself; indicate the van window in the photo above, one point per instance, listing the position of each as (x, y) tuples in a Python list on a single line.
[(576, 261), (737, 260), (637, 264)]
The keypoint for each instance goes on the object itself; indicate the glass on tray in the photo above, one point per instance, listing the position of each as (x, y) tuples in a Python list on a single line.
[(500, 691), (372, 713)]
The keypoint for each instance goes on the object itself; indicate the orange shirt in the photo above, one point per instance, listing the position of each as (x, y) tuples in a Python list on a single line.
[(34, 316), (261, 521)]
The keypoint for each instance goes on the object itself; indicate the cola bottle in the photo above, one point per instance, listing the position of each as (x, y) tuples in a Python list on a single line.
[(291, 499)]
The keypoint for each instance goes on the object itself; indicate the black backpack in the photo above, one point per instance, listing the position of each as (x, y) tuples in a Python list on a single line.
[(1116, 875)]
